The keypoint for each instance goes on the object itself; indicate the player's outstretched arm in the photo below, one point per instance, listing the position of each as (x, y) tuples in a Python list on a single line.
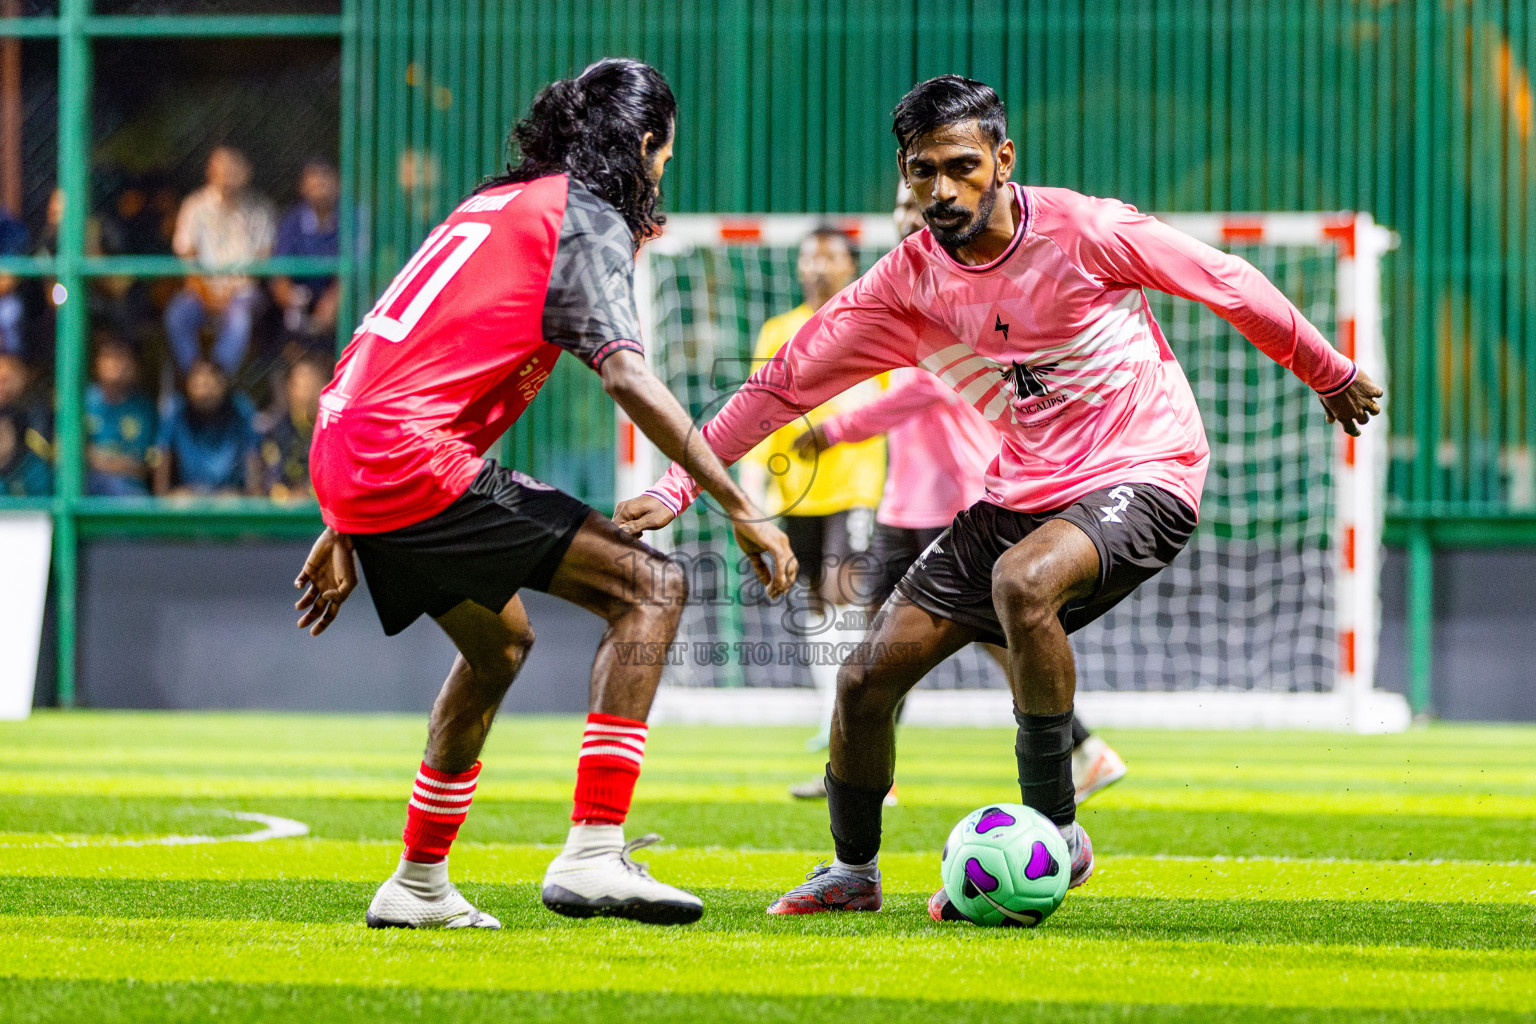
[(1117, 243), (660, 418), (330, 576), (859, 334), (905, 398)]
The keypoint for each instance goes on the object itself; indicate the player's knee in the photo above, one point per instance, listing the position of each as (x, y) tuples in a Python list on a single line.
[(501, 665), (663, 590), (862, 687), (518, 645), (675, 585), (1023, 593), (851, 677)]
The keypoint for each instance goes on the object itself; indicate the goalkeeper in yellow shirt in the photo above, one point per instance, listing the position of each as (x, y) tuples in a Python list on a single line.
[(826, 500)]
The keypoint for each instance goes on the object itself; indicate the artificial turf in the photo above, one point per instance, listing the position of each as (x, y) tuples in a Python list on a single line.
[(1242, 877)]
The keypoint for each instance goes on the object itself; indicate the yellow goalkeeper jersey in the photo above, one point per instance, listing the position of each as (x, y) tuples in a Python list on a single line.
[(843, 477)]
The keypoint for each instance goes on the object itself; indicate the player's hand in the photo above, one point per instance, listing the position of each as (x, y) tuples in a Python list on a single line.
[(330, 576), (813, 440), (756, 538), (637, 515), (1353, 406)]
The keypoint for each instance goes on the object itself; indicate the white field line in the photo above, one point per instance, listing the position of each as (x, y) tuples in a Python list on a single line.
[(1221, 858), (276, 828)]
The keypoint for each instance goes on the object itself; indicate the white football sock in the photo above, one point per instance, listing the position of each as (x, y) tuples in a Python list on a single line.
[(825, 676), (429, 881), (593, 840), (870, 870)]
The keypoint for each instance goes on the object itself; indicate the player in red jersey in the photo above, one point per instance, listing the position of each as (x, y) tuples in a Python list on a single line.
[(538, 261)]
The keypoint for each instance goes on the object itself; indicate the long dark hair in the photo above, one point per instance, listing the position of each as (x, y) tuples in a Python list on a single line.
[(590, 127)]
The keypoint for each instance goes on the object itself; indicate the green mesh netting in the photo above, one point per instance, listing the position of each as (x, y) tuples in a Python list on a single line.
[(1248, 605)]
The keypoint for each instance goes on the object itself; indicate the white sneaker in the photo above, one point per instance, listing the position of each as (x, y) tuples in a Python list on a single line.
[(420, 896), (1094, 767), (594, 877)]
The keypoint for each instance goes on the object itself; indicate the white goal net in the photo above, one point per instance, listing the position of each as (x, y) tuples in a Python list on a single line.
[(1269, 616)]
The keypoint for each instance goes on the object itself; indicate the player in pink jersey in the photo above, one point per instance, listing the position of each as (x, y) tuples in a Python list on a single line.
[(939, 448), (1028, 302), (538, 261)]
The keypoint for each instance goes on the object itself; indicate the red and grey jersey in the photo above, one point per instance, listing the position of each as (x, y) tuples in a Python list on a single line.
[(461, 342)]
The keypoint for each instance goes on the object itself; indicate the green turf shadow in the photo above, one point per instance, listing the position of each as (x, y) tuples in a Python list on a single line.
[(803, 826), (1308, 836), (51, 1001), (1329, 922)]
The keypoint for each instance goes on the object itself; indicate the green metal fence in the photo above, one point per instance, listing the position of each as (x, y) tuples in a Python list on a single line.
[(76, 517), (1420, 111)]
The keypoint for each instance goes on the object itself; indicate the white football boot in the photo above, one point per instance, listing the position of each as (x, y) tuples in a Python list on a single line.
[(1094, 767), (420, 896), (594, 877)]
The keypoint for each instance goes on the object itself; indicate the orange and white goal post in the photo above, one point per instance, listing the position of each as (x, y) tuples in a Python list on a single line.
[(705, 286)]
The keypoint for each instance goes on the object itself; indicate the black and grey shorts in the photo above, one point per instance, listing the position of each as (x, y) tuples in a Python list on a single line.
[(508, 531), (825, 542), (893, 549), (1137, 529)]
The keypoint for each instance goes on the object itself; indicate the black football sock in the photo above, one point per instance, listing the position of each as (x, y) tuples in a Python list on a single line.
[(1044, 749), (1079, 731), (855, 813)]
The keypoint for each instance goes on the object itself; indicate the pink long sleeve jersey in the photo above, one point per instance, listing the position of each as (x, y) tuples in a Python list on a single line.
[(938, 447), (1052, 342)]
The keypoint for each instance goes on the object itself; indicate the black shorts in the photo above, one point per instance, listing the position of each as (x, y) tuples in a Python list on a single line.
[(1137, 528), (821, 542), (893, 550), (508, 531)]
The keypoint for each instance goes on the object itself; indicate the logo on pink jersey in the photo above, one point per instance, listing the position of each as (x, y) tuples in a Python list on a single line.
[(1025, 380)]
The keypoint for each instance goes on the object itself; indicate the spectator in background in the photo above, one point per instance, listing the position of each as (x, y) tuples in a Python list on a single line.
[(36, 420), (22, 473), (310, 229), (14, 378), (119, 423), (118, 302), (223, 224), (288, 431), (13, 242), (207, 442)]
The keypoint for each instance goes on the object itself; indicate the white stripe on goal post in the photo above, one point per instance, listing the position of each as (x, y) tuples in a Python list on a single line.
[(1360, 473)]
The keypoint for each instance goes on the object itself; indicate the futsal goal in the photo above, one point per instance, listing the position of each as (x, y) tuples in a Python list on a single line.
[(1269, 618)]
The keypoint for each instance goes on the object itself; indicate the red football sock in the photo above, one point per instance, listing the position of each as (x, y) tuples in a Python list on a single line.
[(611, 752), (438, 806)]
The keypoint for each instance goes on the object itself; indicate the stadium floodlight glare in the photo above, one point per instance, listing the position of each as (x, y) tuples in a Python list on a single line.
[(1269, 619)]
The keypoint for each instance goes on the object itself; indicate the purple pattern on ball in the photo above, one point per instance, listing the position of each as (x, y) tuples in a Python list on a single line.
[(994, 818), (1041, 863), (979, 876)]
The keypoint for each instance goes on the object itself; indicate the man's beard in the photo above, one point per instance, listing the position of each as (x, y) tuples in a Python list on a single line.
[(965, 233)]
